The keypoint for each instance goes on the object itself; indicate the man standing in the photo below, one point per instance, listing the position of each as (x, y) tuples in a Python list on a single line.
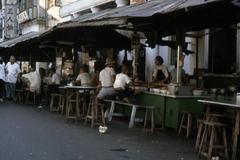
[(12, 71)]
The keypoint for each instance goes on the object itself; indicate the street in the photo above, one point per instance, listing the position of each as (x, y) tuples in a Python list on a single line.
[(27, 134)]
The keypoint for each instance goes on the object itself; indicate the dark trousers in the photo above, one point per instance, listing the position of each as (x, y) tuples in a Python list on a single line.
[(2, 88)]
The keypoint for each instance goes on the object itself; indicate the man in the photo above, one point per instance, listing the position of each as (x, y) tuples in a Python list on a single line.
[(106, 79), (56, 78), (12, 71), (83, 77), (2, 78), (121, 85)]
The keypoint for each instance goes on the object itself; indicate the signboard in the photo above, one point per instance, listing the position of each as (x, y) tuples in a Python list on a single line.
[(22, 17)]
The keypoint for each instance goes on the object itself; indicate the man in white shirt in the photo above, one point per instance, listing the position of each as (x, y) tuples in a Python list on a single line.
[(106, 79), (56, 79), (83, 78), (12, 71), (121, 85), (2, 78)]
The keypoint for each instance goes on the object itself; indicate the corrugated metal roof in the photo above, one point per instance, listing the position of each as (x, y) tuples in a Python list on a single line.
[(146, 9), (25, 37)]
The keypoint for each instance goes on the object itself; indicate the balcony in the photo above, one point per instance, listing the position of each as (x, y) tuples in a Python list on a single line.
[(81, 6)]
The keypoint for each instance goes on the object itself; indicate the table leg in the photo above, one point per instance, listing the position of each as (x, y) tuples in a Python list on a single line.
[(235, 135), (78, 106)]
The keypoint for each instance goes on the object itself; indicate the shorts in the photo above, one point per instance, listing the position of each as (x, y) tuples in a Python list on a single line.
[(124, 93), (106, 92)]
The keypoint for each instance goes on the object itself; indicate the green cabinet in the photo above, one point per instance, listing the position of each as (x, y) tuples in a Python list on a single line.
[(175, 106), (157, 101)]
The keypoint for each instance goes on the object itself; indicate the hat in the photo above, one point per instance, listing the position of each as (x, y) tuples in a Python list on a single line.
[(109, 61)]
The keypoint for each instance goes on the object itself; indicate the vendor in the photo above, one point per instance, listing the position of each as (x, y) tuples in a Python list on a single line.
[(83, 78), (160, 73), (121, 85)]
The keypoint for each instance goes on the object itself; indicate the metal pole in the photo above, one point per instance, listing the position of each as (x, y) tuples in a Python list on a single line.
[(197, 59), (179, 51)]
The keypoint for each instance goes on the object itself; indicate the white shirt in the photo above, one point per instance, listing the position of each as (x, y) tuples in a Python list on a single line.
[(163, 69), (12, 72), (56, 79), (34, 79), (2, 71), (121, 81), (105, 77), (84, 78)]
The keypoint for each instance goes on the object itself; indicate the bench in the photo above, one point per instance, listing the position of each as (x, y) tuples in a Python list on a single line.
[(133, 113)]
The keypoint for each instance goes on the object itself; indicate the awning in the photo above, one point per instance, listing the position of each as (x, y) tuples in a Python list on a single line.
[(123, 15), (22, 38)]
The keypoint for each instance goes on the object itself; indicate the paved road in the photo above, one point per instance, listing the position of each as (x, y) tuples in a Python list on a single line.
[(26, 134)]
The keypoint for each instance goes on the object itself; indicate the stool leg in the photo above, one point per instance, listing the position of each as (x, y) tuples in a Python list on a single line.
[(211, 143), (202, 140), (225, 144), (152, 121), (189, 124), (200, 127), (145, 121), (182, 121), (93, 116), (51, 103), (102, 113)]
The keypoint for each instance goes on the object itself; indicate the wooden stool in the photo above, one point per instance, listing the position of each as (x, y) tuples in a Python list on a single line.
[(19, 95), (150, 111), (54, 107), (210, 141), (72, 108), (188, 126), (209, 117), (61, 106), (30, 96), (93, 111)]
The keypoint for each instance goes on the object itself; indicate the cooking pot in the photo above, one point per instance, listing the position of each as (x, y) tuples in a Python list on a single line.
[(173, 89)]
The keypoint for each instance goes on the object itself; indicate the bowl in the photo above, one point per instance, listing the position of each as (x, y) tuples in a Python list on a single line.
[(198, 92), (156, 90), (163, 91)]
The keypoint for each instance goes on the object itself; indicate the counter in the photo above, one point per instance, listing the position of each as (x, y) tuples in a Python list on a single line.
[(171, 106)]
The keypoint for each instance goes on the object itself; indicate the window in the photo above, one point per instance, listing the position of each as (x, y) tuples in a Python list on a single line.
[(25, 4)]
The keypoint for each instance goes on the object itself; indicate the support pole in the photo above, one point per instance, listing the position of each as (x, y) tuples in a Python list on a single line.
[(197, 59), (179, 52)]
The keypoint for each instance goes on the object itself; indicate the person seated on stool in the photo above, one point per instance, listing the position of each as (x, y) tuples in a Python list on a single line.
[(83, 78), (121, 85)]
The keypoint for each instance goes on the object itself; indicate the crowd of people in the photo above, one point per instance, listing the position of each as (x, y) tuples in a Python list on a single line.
[(108, 82)]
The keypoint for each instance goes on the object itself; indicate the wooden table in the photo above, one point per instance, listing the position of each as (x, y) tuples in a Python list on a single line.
[(233, 104)]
